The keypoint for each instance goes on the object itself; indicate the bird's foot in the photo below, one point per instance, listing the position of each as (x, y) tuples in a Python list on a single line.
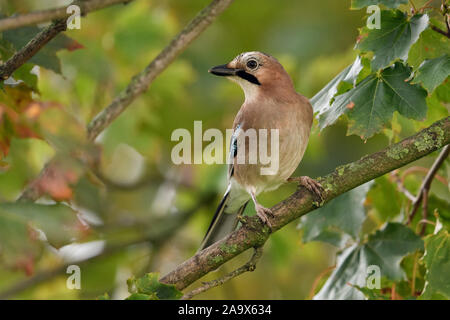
[(264, 214), (310, 184)]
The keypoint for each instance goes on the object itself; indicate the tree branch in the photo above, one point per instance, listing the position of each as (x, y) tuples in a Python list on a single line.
[(249, 266), (400, 185), (426, 184), (254, 233), (140, 82), (47, 34), (31, 48), (36, 17), (439, 30)]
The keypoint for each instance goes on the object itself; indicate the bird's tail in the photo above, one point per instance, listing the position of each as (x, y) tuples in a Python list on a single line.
[(222, 224)]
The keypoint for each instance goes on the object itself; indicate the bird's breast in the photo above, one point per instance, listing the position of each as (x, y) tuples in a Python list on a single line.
[(291, 125)]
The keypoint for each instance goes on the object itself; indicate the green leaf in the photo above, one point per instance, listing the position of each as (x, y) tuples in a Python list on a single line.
[(19, 245), (385, 199), (351, 269), (20, 241), (385, 249), (359, 4), (150, 286), (141, 296), (437, 262), (431, 44), (443, 91), (371, 104), (100, 275), (389, 246), (344, 214), (24, 74), (442, 209), (46, 57), (433, 72), (104, 296), (372, 294), (394, 39), (436, 108), (59, 222), (321, 101), (329, 235), (6, 49)]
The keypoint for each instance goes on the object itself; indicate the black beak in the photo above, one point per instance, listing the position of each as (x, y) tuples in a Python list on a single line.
[(225, 71)]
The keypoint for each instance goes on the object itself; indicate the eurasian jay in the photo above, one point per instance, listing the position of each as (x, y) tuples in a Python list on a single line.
[(271, 102)]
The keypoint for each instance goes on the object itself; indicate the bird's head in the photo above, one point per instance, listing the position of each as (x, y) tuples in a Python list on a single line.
[(256, 73)]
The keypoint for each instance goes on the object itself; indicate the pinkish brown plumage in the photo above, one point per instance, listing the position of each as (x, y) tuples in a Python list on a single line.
[(271, 102)]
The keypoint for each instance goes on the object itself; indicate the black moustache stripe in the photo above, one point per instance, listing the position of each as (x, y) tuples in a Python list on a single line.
[(247, 76)]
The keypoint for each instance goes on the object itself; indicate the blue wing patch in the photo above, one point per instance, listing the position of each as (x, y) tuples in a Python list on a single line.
[(233, 149), (233, 142)]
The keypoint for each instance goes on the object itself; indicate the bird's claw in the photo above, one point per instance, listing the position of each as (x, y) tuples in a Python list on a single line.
[(264, 214), (310, 184)]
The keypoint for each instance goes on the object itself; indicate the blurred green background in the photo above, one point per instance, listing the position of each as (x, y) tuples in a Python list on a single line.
[(142, 188)]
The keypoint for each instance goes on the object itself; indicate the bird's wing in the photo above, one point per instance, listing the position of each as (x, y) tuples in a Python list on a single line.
[(225, 221), (233, 202), (233, 149)]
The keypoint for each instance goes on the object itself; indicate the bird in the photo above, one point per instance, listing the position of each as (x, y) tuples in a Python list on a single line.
[(272, 103)]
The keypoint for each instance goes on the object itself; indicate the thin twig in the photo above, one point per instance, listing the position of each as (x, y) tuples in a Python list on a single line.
[(249, 266), (444, 10), (31, 48), (393, 292), (437, 29), (41, 16), (425, 6), (425, 187), (413, 7), (424, 210), (424, 222), (401, 186), (448, 22), (47, 34), (139, 83), (316, 282), (414, 273), (424, 170)]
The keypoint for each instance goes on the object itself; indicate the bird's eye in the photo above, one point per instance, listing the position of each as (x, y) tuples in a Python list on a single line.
[(252, 64)]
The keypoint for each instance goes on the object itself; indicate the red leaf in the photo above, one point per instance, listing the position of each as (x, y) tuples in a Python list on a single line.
[(26, 263), (74, 45), (57, 181)]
